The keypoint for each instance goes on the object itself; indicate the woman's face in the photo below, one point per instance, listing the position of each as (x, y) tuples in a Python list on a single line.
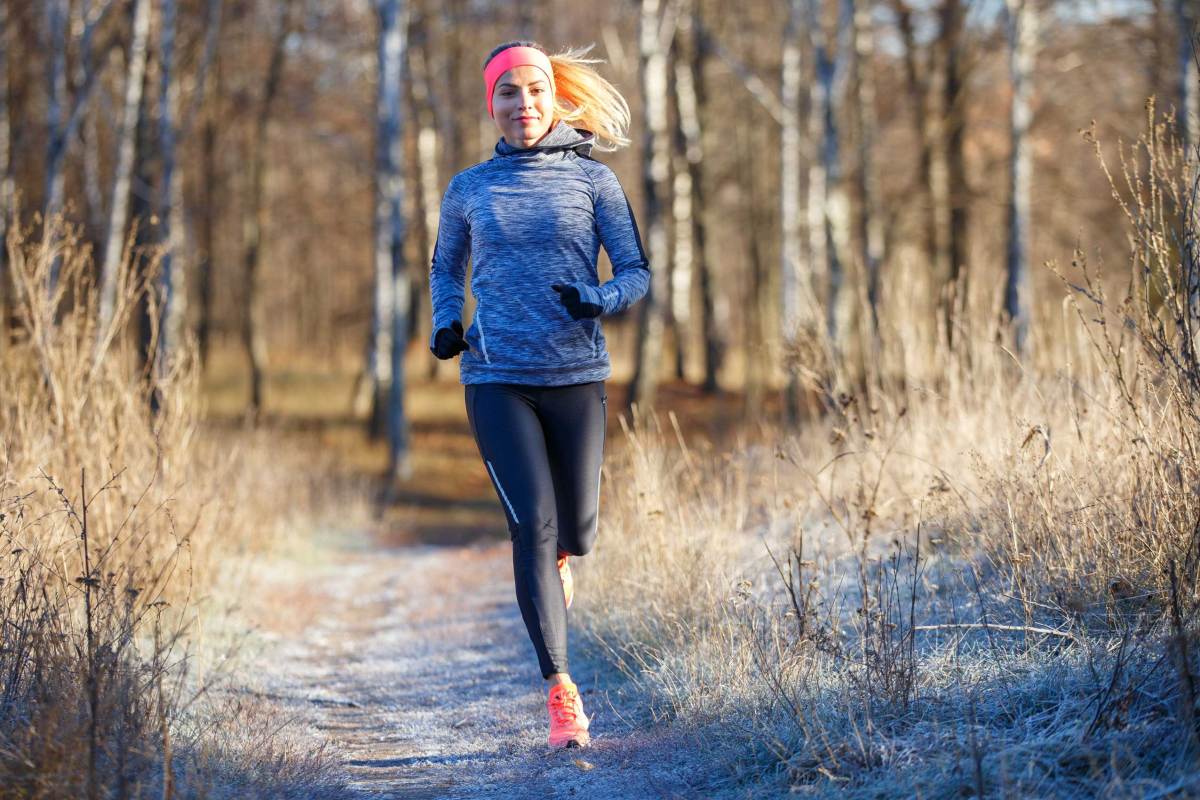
[(523, 105)]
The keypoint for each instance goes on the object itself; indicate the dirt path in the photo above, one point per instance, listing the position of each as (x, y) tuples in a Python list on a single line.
[(413, 664)]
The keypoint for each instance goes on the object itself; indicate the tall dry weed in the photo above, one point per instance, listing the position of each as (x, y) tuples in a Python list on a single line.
[(979, 574), (119, 520)]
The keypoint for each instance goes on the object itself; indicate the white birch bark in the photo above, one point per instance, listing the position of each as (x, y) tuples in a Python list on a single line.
[(56, 101), (841, 256), (828, 212), (682, 272), (798, 301), (63, 112), (114, 246), (392, 284), (1189, 78), (1021, 19), (691, 90), (870, 220), (172, 276), (656, 26)]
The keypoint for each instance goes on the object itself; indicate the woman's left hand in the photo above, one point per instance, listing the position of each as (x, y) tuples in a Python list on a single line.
[(581, 301)]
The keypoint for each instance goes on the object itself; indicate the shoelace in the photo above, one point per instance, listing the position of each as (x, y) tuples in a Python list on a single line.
[(562, 706)]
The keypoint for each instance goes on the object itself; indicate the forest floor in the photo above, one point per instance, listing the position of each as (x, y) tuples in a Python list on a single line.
[(396, 647)]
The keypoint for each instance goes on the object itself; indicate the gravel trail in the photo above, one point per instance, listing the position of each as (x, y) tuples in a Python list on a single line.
[(413, 664)]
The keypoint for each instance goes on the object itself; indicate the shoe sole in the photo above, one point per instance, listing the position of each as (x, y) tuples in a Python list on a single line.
[(580, 739), (574, 742)]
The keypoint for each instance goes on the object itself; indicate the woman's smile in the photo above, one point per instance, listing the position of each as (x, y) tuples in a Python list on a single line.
[(523, 105)]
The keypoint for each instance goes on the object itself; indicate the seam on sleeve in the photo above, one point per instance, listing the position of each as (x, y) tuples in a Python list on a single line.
[(591, 181)]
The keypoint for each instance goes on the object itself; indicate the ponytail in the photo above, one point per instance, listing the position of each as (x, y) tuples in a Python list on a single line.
[(583, 98), (582, 95)]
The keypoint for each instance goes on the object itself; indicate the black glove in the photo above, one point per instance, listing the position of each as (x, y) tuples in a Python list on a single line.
[(578, 307), (449, 342)]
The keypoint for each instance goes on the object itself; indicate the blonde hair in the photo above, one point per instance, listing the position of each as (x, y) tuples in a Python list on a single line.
[(582, 97)]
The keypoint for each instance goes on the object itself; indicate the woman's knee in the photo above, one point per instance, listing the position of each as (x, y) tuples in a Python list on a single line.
[(534, 532), (580, 538)]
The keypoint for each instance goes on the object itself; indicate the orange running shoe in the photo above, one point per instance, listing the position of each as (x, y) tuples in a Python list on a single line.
[(568, 723), (564, 575)]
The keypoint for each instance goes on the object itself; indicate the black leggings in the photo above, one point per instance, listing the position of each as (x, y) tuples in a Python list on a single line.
[(542, 447)]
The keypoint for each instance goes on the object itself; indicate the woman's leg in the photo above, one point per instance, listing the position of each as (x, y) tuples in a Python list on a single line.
[(574, 418), (508, 432)]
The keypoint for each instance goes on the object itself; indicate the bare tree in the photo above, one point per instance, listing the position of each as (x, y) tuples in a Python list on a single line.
[(1021, 21), (952, 194), (56, 31), (392, 286), (926, 127), (7, 187), (869, 221), (829, 207), (208, 100), (1186, 14), (170, 201), (797, 298), (422, 100), (656, 28), (693, 99), (752, 202), (123, 172), (63, 112), (682, 253), (253, 332)]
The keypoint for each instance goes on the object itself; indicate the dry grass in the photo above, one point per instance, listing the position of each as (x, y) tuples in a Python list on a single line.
[(979, 577), (124, 530)]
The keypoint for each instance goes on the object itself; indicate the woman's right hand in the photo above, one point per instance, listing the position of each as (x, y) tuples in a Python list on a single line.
[(449, 342)]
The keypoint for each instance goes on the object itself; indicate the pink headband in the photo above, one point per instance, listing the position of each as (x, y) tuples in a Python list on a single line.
[(514, 57)]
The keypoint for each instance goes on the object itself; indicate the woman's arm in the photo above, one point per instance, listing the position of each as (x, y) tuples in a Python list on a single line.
[(448, 270), (619, 235)]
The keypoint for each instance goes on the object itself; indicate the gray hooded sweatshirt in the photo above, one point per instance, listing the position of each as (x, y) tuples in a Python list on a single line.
[(529, 218)]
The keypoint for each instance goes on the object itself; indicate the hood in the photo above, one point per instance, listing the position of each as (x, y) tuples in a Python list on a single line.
[(561, 137)]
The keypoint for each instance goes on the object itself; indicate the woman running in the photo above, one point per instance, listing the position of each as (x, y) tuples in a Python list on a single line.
[(534, 359)]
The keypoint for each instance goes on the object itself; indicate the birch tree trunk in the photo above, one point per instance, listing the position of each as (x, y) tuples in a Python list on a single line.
[(798, 302), (7, 192), (210, 89), (93, 193), (869, 224), (425, 168), (692, 99), (756, 304), (828, 215), (818, 259), (925, 125), (114, 246), (392, 285), (681, 211), (63, 113), (172, 277), (1189, 78), (1187, 13), (253, 333), (56, 100), (952, 193), (1021, 20), (655, 28), (842, 299)]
